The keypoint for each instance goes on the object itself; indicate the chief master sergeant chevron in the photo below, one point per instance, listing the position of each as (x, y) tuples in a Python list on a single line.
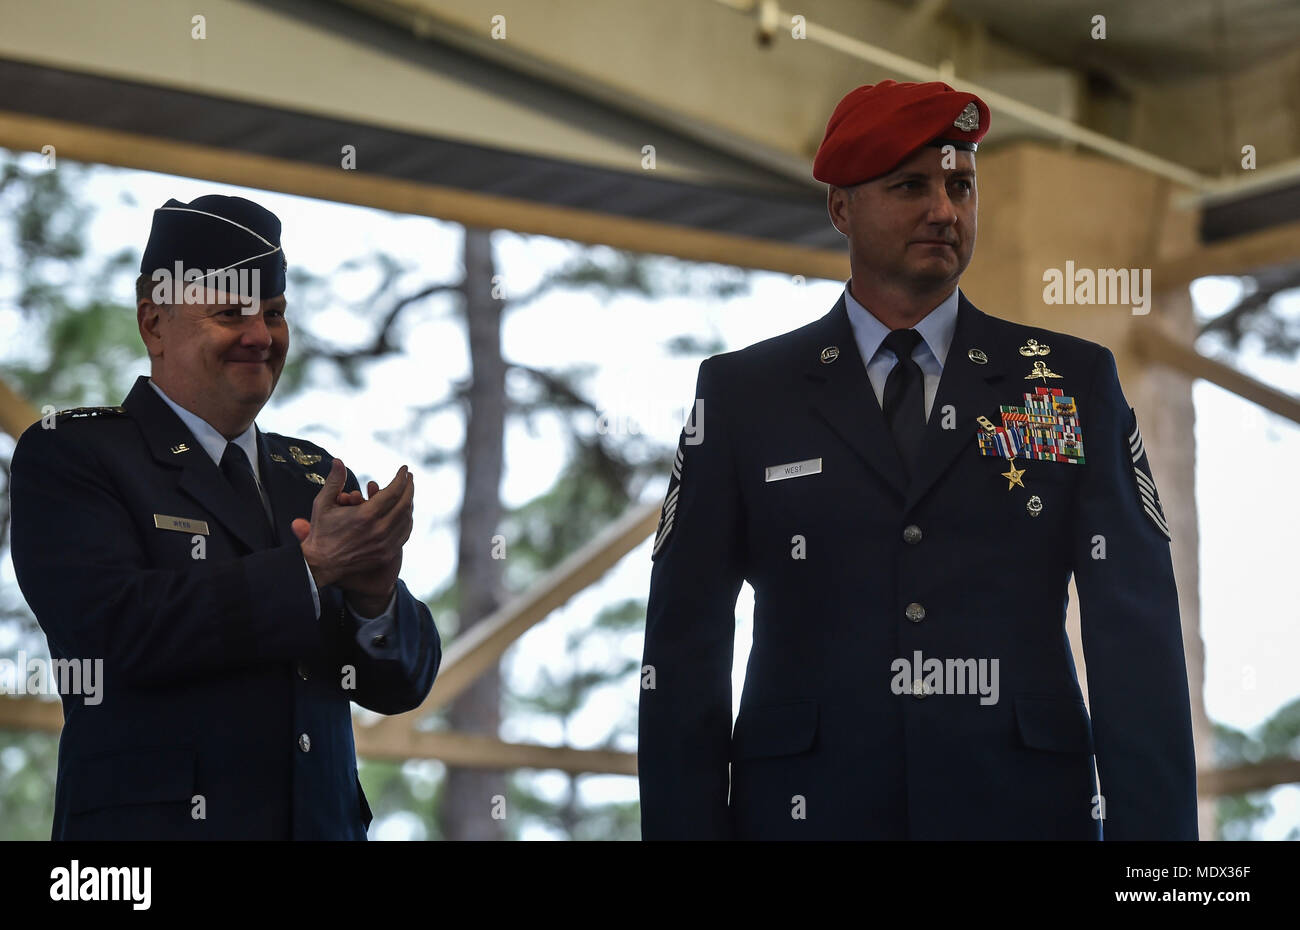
[(237, 585), (908, 484)]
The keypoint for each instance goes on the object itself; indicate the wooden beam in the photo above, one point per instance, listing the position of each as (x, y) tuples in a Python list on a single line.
[(1256, 776), (1279, 245), (1155, 344), (481, 647), (16, 414), (25, 712), (466, 750), (147, 153), (473, 750)]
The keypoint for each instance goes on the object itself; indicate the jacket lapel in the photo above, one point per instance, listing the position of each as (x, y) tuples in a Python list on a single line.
[(840, 393), (285, 481), (200, 477), (969, 387)]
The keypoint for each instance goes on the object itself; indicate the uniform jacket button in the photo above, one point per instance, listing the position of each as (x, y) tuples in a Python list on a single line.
[(304, 742), (302, 670), (915, 612), (912, 534), (918, 689), (379, 641)]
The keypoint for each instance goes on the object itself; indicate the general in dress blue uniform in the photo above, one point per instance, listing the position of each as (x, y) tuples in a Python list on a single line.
[(146, 537), (908, 504)]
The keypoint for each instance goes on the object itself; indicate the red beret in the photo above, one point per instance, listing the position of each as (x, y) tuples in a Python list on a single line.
[(877, 126)]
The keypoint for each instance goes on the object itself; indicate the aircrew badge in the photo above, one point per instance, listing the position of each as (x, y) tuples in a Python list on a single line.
[(303, 458)]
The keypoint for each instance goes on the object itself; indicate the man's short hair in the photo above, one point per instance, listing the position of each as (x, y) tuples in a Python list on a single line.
[(144, 291)]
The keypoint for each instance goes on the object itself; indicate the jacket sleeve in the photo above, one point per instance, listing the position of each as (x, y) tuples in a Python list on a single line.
[(392, 659), (685, 702), (1132, 635), (82, 566)]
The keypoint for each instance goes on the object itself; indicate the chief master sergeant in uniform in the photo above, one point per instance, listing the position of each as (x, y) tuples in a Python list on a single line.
[(908, 484), (237, 586)]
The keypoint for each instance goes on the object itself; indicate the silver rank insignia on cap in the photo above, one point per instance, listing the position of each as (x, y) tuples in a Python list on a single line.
[(969, 118)]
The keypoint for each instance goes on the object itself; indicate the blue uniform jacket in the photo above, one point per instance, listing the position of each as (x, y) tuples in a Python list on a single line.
[(224, 710), (854, 569)]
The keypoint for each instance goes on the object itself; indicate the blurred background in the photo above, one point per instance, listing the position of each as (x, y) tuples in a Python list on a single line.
[(515, 228)]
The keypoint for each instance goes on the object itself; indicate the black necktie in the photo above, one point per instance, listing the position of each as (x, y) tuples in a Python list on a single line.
[(238, 471), (904, 403)]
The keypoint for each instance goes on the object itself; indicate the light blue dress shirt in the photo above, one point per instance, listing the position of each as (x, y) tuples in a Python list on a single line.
[(936, 329), (214, 444)]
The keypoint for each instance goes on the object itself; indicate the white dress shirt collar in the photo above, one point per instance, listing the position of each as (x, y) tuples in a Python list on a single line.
[(212, 441)]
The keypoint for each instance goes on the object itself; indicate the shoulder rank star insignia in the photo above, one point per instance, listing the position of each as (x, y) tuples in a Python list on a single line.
[(969, 118), (77, 412), (1041, 371), (302, 458), (315, 478), (1033, 347), (276, 457)]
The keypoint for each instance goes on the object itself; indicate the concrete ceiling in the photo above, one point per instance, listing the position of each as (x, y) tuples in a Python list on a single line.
[(1157, 41)]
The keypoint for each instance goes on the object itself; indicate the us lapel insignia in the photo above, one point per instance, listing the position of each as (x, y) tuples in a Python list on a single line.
[(1146, 484), (179, 448), (1032, 347), (277, 457), (315, 478), (1041, 371), (303, 458), (830, 354), (977, 356)]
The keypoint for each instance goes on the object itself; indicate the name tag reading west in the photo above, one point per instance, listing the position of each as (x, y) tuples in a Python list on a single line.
[(180, 524), (794, 470)]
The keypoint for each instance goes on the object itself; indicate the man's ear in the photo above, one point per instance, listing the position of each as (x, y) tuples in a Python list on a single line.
[(148, 317), (837, 199)]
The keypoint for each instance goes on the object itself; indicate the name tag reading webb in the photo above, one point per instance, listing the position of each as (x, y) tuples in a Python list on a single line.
[(180, 524), (794, 470)]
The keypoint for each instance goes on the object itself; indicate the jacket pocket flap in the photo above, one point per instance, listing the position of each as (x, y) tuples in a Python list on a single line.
[(775, 730), (136, 776), (1055, 724)]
